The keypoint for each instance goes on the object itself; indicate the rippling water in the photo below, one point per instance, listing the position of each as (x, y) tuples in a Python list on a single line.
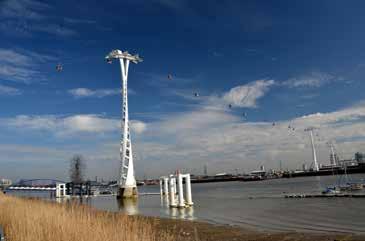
[(258, 205)]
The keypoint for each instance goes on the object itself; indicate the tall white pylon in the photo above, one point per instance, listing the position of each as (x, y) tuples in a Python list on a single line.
[(333, 156), (127, 181), (310, 129)]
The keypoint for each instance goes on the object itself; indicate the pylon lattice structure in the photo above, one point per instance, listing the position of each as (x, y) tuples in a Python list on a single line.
[(315, 162), (127, 181)]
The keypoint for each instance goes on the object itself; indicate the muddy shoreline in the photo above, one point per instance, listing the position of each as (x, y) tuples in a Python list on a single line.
[(202, 231)]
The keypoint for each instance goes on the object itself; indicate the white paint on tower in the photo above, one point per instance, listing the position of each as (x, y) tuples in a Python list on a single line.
[(127, 180)]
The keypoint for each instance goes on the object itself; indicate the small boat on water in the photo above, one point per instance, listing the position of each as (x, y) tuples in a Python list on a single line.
[(356, 186), (331, 190), (346, 187)]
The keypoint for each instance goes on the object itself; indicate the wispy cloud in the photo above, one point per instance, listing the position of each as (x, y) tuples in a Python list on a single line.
[(203, 135), (98, 93), (64, 126), (55, 29), (7, 90), (19, 74), (138, 126), (225, 141), (79, 21), (247, 95), (25, 17), (165, 82), (310, 96), (21, 66), (9, 56), (217, 54), (25, 9), (26, 28), (175, 5), (314, 79)]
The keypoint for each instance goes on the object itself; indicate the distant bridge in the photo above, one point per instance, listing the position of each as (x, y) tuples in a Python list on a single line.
[(36, 185), (38, 182), (32, 188)]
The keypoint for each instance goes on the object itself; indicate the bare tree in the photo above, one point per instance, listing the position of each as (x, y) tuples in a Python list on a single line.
[(77, 169)]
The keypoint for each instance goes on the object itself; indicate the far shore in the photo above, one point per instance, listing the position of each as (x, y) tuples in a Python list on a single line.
[(39, 220)]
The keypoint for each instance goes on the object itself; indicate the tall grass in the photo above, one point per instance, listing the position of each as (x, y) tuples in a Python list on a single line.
[(36, 220)]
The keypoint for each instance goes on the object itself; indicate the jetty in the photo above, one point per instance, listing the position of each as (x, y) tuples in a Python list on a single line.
[(319, 195)]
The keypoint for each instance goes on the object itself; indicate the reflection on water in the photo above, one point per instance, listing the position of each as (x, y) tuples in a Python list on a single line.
[(181, 213), (128, 205), (165, 201), (74, 200), (176, 212), (258, 205)]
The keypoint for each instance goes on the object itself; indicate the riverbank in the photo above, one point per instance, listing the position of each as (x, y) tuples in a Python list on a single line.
[(38, 220), (200, 231)]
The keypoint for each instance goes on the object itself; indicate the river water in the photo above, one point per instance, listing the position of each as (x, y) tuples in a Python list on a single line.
[(257, 205)]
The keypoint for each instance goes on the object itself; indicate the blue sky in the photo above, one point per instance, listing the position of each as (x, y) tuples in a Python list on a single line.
[(298, 63)]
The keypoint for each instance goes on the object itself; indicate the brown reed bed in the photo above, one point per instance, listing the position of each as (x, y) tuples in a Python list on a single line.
[(27, 219), (37, 220)]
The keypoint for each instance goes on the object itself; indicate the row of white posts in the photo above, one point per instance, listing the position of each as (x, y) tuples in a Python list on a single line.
[(175, 191), (60, 190)]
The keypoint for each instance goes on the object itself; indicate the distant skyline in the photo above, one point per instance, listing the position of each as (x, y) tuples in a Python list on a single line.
[(292, 63)]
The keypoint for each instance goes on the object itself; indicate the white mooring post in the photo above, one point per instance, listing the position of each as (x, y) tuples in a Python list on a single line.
[(172, 189), (166, 186), (181, 190), (172, 192), (175, 187), (60, 190), (189, 200), (161, 187)]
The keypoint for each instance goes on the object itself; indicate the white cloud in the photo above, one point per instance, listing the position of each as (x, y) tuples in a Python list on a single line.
[(225, 142), (314, 79), (191, 139), (64, 125), (240, 96), (138, 126), (7, 90), (31, 122), (198, 120), (21, 66), (208, 135), (9, 56), (70, 125), (247, 95), (99, 93), (18, 74), (89, 123)]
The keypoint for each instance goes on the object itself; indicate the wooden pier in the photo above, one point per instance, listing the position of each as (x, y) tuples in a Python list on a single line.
[(338, 195)]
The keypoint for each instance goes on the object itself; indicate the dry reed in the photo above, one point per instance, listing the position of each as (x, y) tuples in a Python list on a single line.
[(36, 220)]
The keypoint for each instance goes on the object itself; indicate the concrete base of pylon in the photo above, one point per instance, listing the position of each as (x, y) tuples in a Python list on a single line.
[(127, 192)]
